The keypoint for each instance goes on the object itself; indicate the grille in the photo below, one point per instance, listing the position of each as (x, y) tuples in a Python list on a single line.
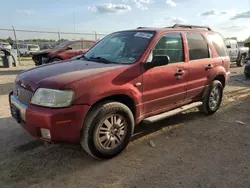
[(22, 94)]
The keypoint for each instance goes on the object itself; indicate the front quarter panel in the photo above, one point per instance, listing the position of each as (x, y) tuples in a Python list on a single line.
[(115, 82)]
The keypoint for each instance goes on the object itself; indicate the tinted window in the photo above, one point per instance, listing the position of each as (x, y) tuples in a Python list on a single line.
[(218, 44), (76, 45), (172, 46), (198, 47)]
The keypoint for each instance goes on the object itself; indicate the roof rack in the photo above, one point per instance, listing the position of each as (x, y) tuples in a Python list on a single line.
[(142, 27), (192, 27)]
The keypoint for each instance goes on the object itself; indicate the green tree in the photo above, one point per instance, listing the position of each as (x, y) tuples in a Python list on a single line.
[(9, 40), (247, 40)]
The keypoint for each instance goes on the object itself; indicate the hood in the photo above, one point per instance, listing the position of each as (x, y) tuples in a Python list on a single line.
[(58, 75)]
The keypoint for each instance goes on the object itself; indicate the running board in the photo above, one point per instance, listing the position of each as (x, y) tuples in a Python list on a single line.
[(158, 117)]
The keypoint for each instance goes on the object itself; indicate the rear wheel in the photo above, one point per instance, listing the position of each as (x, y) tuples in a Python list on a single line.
[(241, 61), (107, 130), (212, 98)]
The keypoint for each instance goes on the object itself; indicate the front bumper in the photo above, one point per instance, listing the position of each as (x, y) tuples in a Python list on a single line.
[(65, 124)]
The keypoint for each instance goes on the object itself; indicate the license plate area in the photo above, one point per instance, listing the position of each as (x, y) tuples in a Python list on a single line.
[(16, 113)]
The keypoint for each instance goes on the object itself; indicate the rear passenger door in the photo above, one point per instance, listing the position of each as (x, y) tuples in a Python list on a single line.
[(200, 64)]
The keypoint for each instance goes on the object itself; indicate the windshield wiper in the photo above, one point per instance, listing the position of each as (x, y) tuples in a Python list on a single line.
[(83, 57), (100, 59)]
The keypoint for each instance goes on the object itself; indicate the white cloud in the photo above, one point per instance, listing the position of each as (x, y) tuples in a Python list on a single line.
[(231, 27), (171, 3), (110, 8), (176, 20), (209, 13), (168, 21), (245, 14), (141, 4), (26, 11)]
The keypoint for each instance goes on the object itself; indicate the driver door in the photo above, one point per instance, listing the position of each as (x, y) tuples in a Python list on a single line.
[(164, 87)]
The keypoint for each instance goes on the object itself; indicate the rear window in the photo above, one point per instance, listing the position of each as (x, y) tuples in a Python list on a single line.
[(218, 44), (198, 47)]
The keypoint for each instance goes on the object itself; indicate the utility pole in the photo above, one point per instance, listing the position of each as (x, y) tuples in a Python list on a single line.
[(17, 48), (74, 24)]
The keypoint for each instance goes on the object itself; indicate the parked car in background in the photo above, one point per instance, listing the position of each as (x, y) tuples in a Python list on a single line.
[(62, 51), (46, 46), (145, 74), (27, 49), (237, 52), (5, 45)]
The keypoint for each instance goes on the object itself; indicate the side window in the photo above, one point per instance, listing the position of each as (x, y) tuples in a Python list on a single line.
[(218, 44), (87, 44), (198, 47), (76, 45), (172, 46)]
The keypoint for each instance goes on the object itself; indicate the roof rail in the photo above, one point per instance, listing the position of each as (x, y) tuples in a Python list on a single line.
[(142, 27), (192, 26)]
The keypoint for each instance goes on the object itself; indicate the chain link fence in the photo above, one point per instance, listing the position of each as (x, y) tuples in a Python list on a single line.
[(43, 37)]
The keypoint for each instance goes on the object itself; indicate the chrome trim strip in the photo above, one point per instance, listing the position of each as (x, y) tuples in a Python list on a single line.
[(19, 105)]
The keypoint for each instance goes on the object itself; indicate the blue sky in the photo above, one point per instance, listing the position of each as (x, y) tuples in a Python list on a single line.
[(229, 17)]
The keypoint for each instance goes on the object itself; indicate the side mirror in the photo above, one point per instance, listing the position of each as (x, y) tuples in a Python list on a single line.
[(228, 46), (158, 60)]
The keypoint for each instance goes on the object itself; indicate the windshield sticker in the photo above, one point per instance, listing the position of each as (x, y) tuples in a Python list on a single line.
[(143, 35), (131, 59)]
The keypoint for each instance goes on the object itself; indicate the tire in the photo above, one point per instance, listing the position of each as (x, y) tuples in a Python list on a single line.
[(95, 135), (247, 75), (207, 106), (55, 59), (241, 61)]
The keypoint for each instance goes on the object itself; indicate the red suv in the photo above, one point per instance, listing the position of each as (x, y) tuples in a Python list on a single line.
[(145, 74), (63, 51)]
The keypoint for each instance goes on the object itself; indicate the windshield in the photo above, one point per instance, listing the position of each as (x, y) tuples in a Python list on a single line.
[(62, 44), (122, 47)]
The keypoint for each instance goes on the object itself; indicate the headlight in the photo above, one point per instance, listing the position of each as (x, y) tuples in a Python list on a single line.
[(52, 98)]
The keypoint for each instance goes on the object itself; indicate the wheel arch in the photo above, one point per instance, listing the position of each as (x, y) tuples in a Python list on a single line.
[(122, 98), (221, 78)]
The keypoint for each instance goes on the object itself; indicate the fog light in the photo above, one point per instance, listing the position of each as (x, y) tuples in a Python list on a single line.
[(45, 133)]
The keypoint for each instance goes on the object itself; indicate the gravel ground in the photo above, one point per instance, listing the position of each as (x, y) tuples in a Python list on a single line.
[(188, 150)]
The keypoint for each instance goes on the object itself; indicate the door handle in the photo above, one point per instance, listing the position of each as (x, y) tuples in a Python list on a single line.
[(179, 73), (209, 66)]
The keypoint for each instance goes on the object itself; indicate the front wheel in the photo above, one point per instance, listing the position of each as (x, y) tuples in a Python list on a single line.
[(241, 61), (213, 97), (107, 130)]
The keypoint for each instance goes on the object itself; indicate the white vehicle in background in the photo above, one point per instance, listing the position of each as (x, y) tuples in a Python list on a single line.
[(28, 49), (5, 45)]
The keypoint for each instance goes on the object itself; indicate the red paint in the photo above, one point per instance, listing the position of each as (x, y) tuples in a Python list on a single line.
[(62, 53), (160, 90)]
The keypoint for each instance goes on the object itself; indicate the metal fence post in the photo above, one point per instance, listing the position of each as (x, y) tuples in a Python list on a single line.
[(95, 35), (59, 37), (17, 48)]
